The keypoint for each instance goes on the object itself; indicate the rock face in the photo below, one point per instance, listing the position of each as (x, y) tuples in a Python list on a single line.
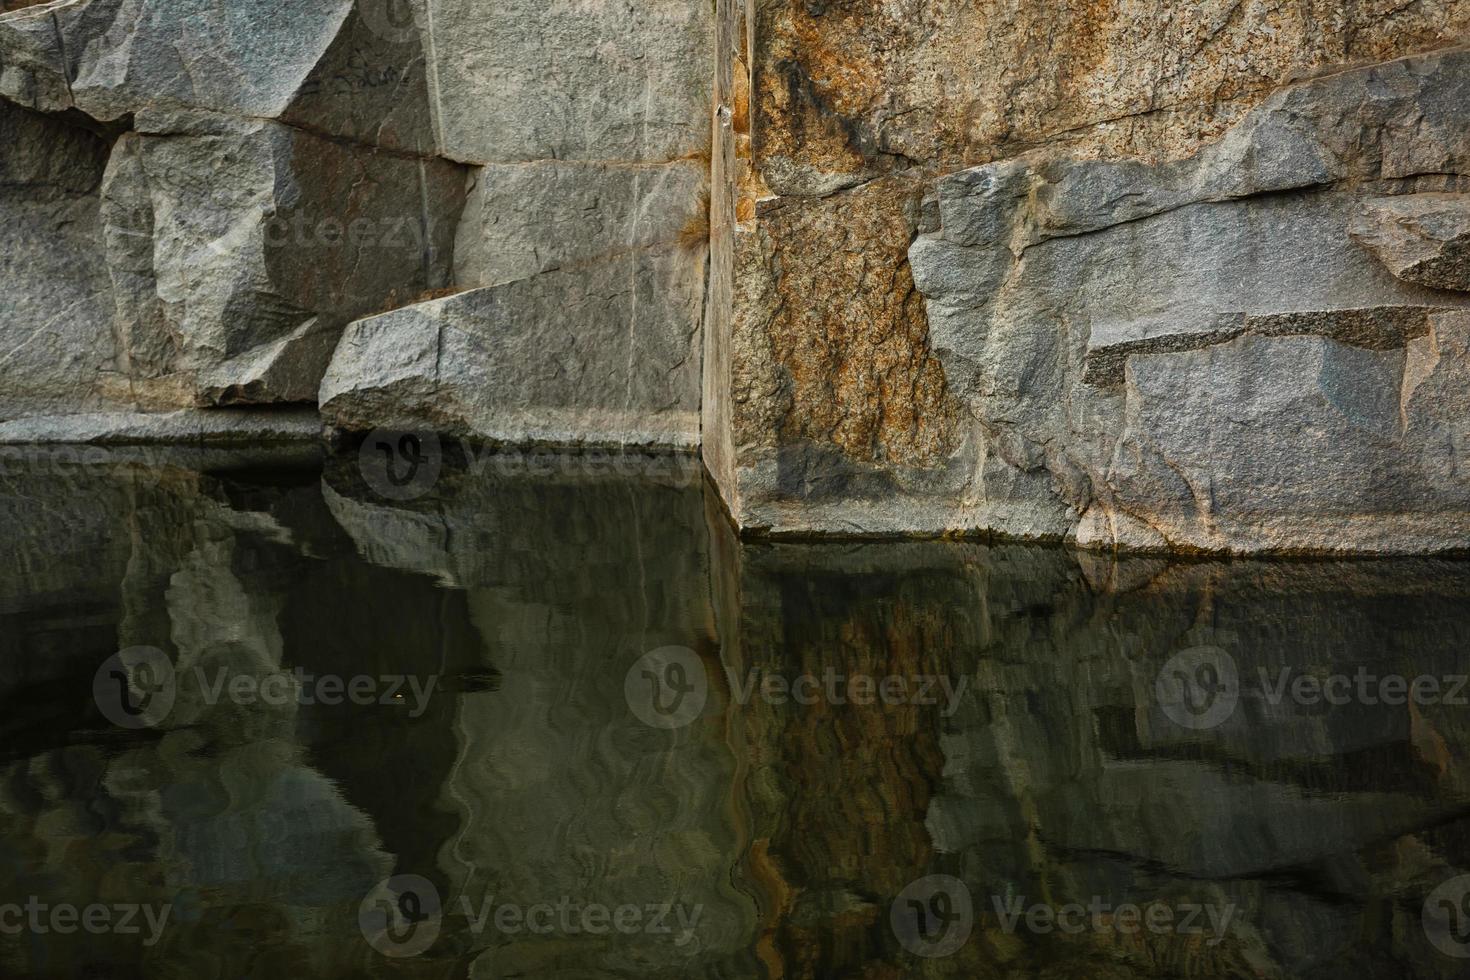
[(613, 366), (1116, 275), (1203, 354), (583, 246), (840, 414), (246, 280), (862, 385), (258, 191), (224, 187), (55, 309)]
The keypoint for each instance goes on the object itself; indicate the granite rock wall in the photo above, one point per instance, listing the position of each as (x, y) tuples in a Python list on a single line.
[(1181, 276), (1122, 175)]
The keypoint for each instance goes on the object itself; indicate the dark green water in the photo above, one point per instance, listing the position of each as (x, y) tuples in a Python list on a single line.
[(550, 719)]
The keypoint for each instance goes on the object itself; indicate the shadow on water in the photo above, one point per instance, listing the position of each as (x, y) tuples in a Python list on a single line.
[(547, 717)]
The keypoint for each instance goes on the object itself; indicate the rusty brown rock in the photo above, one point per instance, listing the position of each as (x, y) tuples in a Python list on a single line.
[(854, 88), (846, 328)]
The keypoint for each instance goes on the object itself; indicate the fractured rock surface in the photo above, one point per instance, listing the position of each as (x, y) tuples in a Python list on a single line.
[(261, 176), (255, 270), (56, 340), (913, 268), (1421, 238), (261, 189), (580, 356), (1083, 119), (581, 253), (1226, 351)]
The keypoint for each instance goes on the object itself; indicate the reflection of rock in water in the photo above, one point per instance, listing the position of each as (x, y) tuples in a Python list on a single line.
[(526, 777), (218, 811), (558, 790), (1058, 778)]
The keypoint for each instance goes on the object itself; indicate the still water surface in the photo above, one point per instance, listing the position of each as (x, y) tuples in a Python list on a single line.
[(551, 719)]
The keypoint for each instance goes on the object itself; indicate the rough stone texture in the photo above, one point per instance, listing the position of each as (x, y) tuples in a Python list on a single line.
[(190, 427), (1197, 354), (618, 363), (846, 90), (236, 246), (892, 266), (1422, 238), (597, 81), (525, 219), (582, 251), (255, 269), (273, 173), (855, 108), (113, 56), (56, 345)]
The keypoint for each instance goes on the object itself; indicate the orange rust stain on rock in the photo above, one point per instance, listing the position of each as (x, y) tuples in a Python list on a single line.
[(814, 81), (861, 86), (851, 334)]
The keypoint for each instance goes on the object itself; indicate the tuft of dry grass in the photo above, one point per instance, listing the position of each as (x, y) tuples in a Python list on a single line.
[(695, 233)]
